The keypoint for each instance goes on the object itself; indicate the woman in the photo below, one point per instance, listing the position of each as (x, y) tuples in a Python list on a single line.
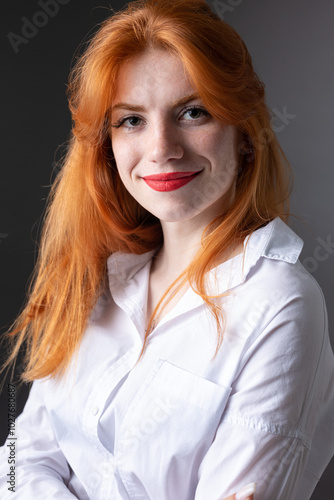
[(178, 348)]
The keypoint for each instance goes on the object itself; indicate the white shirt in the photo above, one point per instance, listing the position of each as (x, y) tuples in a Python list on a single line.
[(180, 425)]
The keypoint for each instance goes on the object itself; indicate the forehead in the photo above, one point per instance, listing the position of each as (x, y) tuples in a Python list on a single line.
[(153, 73)]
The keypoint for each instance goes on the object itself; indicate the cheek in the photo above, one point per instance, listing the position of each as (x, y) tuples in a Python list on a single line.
[(225, 161), (228, 151), (214, 138), (122, 155)]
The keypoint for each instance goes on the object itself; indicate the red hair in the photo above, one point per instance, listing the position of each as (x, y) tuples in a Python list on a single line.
[(91, 215)]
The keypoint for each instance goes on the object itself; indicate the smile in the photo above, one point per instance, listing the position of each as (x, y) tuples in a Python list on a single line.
[(169, 181)]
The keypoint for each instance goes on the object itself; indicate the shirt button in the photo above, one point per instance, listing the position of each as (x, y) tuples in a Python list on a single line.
[(107, 467), (94, 410)]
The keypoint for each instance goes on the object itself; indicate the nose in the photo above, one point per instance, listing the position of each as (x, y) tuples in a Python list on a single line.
[(164, 143)]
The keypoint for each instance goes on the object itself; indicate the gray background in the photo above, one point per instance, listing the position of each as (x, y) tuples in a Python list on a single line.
[(292, 45)]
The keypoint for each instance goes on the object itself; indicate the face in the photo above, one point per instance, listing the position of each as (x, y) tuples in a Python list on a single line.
[(160, 126)]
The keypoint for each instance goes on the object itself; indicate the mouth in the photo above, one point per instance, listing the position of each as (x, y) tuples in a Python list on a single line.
[(170, 180), (170, 176)]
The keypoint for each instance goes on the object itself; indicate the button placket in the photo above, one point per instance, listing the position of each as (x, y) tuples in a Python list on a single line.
[(100, 394), (94, 410)]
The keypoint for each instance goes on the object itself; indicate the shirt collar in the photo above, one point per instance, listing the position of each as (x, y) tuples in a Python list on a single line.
[(277, 241), (274, 241), (123, 266)]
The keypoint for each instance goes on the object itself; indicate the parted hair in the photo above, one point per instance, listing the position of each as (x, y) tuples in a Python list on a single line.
[(90, 214)]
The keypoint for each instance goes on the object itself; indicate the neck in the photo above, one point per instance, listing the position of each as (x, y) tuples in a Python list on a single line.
[(181, 242)]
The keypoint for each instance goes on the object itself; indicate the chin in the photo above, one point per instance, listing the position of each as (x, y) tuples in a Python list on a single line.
[(175, 217)]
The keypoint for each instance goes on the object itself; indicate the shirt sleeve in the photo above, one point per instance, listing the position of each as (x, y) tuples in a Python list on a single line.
[(265, 432), (41, 470)]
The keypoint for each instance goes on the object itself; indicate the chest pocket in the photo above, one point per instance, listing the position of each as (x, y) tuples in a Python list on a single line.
[(167, 430)]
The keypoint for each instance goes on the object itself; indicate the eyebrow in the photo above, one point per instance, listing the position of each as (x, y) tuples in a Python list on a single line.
[(176, 104)]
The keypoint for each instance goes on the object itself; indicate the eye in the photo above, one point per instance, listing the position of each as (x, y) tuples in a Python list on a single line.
[(195, 112), (128, 121)]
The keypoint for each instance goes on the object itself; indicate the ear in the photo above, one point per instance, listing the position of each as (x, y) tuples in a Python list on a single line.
[(246, 151), (245, 144)]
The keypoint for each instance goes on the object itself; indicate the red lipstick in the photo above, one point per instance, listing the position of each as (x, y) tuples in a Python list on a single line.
[(169, 181)]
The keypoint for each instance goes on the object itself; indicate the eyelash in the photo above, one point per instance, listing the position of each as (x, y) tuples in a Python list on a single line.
[(121, 122)]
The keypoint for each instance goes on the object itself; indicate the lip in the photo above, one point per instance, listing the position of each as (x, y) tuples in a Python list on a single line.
[(170, 181), (169, 176)]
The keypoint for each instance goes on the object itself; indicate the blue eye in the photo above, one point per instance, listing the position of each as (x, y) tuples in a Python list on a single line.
[(196, 112), (129, 119)]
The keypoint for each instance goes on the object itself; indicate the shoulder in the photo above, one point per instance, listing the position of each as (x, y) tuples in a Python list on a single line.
[(276, 292), (283, 283), (275, 271)]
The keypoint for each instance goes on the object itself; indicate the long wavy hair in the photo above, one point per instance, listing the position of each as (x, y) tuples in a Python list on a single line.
[(90, 214)]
